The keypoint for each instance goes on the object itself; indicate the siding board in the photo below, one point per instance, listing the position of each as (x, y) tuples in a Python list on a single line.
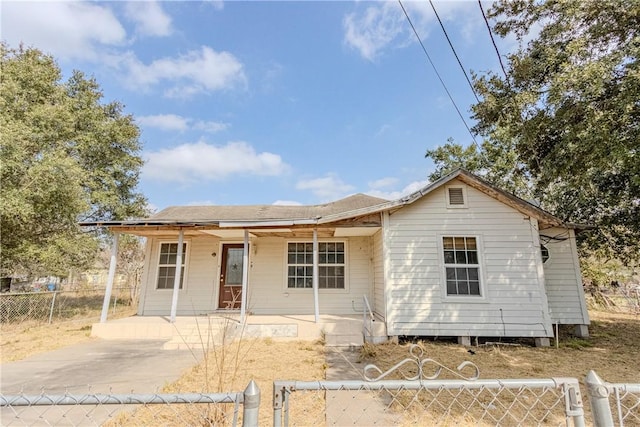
[(513, 303)]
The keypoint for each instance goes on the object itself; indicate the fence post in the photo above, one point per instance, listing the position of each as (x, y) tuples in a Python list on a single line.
[(278, 392), (53, 303), (251, 405), (599, 398)]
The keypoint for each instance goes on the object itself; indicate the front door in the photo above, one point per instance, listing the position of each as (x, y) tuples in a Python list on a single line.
[(231, 276)]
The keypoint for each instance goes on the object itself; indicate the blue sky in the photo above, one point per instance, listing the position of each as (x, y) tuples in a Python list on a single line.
[(271, 102)]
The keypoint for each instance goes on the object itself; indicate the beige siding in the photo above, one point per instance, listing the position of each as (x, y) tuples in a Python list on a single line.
[(378, 276), (513, 302), (199, 289), (563, 279), (267, 291)]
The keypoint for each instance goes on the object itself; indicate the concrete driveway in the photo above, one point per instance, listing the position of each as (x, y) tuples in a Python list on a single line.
[(98, 366), (95, 367)]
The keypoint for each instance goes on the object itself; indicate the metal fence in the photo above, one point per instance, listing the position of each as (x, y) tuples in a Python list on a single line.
[(609, 402), (48, 307), (422, 399), (192, 409)]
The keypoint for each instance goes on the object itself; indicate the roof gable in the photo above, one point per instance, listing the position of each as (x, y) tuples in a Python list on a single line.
[(490, 190)]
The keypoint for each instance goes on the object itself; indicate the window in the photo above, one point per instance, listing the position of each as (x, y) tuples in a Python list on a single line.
[(461, 265), (167, 265), (545, 253), (330, 265), (456, 197)]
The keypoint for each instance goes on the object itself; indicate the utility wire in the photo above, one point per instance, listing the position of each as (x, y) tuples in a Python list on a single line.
[(424, 49), (486, 21), (454, 51)]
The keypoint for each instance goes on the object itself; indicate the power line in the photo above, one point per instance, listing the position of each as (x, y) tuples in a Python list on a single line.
[(454, 51), (424, 49), (486, 21)]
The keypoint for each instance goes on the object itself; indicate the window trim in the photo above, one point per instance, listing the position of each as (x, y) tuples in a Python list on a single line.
[(482, 298), (185, 257), (285, 281), (464, 197)]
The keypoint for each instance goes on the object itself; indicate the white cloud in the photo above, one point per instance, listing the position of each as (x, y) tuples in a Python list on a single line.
[(203, 70), (395, 195), (211, 127), (164, 122), (217, 4), (383, 182), (373, 30), (200, 161), (149, 18), (173, 122), (286, 203), (64, 29), (327, 188)]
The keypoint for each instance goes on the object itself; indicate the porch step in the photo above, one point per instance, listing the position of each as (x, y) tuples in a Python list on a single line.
[(205, 336)]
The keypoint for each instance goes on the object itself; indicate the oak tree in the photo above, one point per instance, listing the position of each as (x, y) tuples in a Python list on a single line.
[(66, 157)]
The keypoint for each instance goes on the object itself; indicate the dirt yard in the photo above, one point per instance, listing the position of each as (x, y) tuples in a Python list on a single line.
[(22, 340), (611, 350)]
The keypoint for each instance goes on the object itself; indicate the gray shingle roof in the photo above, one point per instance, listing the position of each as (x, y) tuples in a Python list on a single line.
[(265, 212)]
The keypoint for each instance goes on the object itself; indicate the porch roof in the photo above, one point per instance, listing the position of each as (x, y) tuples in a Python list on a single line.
[(269, 217)]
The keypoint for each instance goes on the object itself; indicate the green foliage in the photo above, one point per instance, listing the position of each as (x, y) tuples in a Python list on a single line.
[(65, 157), (493, 162), (565, 121)]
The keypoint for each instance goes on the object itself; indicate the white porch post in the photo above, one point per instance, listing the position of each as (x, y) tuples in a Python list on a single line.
[(316, 307), (176, 280), (245, 276), (112, 275)]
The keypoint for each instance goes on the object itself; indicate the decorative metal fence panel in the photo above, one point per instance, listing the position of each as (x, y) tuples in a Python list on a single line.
[(48, 307), (192, 409), (423, 399)]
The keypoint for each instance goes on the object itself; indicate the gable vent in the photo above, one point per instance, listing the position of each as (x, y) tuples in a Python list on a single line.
[(455, 196)]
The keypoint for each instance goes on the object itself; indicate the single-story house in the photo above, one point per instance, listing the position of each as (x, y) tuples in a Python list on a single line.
[(460, 257)]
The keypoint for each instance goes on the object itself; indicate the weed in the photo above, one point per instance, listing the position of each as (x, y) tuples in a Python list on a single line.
[(368, 351), (577, 343)]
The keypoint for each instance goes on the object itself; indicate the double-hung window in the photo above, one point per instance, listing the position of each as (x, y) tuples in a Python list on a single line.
[(167, 265), (461, 265), (331, 265)]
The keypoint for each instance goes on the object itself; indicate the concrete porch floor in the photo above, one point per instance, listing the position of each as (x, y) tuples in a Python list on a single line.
[(209, 330)]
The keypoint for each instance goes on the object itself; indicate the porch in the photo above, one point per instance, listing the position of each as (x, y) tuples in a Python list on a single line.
[(208, 331)]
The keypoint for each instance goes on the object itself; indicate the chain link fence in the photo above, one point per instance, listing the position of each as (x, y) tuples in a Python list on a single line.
[(111, 410), (613, 404), (49, 307), (518, 402), (428, 393)]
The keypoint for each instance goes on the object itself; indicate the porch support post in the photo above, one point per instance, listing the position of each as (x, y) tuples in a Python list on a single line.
[(316, 307), (176, 280), (245, 277), (112, 275)]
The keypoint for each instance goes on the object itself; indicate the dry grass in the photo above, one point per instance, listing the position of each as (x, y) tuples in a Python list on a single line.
[(612, 351), (19, 341), (229, 368)]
